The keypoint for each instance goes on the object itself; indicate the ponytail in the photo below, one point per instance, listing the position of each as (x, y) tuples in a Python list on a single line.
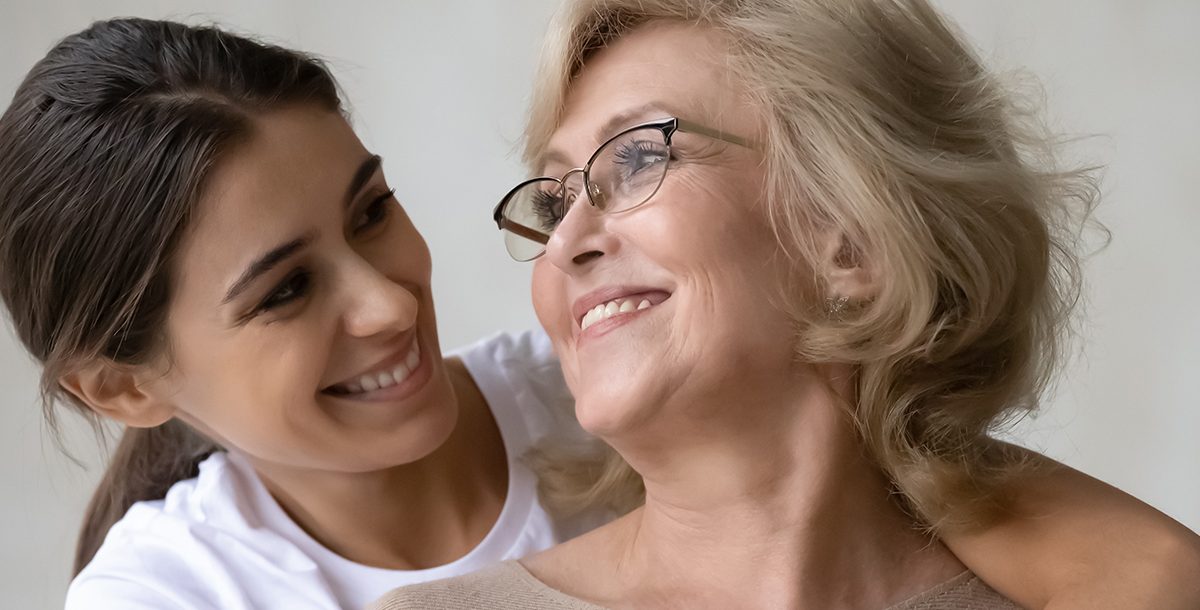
[(146, 463)]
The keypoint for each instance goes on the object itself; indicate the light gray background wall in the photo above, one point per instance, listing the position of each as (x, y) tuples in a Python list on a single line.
[(438, 88)]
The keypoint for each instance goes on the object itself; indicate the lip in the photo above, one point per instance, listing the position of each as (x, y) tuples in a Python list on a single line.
[(416, 382), (404, 344), (603, 327), (590, 300)]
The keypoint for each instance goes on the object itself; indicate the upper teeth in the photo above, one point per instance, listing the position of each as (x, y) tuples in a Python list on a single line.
[(607, 310), (387, 379)]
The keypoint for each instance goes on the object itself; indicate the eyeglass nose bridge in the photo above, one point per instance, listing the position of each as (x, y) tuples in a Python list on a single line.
[(594, 195), (569, 195)]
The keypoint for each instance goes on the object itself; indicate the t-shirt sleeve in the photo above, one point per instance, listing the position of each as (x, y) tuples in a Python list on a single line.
[(158, 564), (532, 365), (108, 592)]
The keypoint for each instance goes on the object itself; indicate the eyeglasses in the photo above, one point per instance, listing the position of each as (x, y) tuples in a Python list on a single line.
[(623, 173)]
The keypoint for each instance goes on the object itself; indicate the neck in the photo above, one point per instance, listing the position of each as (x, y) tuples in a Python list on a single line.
[(412, 516), (785, 500)]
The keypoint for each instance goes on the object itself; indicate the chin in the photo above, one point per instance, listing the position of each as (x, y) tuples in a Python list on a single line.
[(609, 415), (615, 396), (417, 438), (440, 422)]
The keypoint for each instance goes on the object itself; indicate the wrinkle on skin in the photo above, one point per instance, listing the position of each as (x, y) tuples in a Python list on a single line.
[(752, 471)]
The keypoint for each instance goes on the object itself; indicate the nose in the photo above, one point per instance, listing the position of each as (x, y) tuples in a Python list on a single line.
[(376, 304), (581, 237)]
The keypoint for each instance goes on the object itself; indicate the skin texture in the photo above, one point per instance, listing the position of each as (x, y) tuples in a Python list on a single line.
[(417, 481), (1107, 550), (411, 479), (751, 473)]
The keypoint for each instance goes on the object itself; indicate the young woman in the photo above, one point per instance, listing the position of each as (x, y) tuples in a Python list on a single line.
[(195, 244)]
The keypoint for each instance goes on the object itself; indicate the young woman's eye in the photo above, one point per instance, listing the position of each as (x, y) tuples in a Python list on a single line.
[(376, 212), (292, 288)]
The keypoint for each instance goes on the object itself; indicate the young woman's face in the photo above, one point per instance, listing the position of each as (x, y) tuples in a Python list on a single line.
[(301, 328)]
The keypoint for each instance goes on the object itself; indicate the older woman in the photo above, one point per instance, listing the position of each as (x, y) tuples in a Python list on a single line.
[(814, 266)]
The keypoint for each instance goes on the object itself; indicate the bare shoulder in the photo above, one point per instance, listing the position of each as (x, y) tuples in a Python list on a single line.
[(1161, 571)]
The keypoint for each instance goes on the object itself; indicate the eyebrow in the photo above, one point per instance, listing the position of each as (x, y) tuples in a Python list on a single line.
[(280, 253), (361, 176), (265, 263), (629, 117), (624, 119)]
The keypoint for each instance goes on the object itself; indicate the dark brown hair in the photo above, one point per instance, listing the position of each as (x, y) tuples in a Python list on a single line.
[(104, 153)]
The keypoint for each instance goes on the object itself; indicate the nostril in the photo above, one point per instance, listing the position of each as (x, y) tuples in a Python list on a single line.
[(587, 257)]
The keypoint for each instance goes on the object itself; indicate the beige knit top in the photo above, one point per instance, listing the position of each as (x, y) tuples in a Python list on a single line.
[(509, 586)]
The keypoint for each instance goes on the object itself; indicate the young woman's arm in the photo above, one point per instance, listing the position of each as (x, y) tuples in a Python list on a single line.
[(1076, 542)]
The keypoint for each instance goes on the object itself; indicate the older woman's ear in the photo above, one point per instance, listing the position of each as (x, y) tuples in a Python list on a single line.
[(124, 393), (848, 273)]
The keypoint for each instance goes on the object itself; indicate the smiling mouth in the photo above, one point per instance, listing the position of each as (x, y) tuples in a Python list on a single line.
[(621, 306), (386, 378)]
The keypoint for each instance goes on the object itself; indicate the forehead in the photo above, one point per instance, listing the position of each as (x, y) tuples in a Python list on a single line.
[(654, 71), (295, 161), (286, 178), (291, 156)]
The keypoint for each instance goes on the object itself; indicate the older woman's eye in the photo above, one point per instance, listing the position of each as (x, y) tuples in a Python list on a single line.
[(548, 207), (638, 156), (376, 212)]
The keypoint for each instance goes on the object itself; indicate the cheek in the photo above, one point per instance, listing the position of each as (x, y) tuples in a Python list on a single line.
[(691, 223), (719, 225), (724, 256), (264, 367), (549, 298), (553, 313), (257, 392)]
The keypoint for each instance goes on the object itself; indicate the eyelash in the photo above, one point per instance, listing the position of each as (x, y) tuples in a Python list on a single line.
[(298, 283), (379, 208)]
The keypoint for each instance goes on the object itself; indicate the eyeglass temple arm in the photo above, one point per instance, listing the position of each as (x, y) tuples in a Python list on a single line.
[(523, 231), (689, 126)]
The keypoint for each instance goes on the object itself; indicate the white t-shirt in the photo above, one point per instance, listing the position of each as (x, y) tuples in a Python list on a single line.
[(221, 541)]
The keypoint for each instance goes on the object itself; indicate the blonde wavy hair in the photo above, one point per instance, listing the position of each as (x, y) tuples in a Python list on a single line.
[(880, 123)]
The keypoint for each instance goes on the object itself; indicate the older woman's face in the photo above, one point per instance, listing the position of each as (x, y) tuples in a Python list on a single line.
[(700, 250)]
